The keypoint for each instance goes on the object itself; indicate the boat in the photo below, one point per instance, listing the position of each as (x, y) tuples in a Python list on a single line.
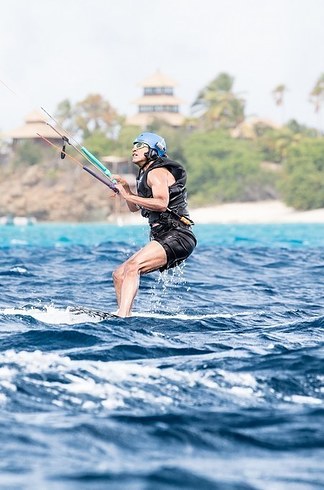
[(17, 220)]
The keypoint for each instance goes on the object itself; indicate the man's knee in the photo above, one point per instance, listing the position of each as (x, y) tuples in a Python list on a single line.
[(118, 274), (132, 267)]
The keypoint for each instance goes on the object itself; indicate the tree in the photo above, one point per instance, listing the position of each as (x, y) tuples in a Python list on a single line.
[(278, 94), (317, 97), (298, 128), (218, 105), (92, 114), (223, 169), (275, 143), (303, 182)]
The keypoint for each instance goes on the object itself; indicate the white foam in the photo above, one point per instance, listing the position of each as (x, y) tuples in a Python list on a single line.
[(242, 391), (21, 270), (56, 316), (183, 316), (111, 385), (108, 385), (242, 379), (52, 315), (16, 241), (304, 400)]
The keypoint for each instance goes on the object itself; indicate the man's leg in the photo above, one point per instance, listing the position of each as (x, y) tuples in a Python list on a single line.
[(126, 277)]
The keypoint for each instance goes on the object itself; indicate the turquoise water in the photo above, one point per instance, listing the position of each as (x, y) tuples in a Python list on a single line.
[(224, 235)]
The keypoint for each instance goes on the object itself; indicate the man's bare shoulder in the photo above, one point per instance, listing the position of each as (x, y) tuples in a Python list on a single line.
[(160, 174)]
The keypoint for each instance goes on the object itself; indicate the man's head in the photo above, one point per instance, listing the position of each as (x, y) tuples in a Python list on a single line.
[(147, 147)]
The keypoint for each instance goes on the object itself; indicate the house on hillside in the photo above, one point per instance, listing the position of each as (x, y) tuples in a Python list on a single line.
[(34, 123), (158, 101)]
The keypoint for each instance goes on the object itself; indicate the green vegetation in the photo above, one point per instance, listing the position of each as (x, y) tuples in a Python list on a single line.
[(228, 157), (303, 180), (224, 169), (218, 105)]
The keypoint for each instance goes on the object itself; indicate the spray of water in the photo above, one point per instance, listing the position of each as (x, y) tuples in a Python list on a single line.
[(163, 294)]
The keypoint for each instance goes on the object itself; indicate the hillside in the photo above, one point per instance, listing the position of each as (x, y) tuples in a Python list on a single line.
[(62, 192)]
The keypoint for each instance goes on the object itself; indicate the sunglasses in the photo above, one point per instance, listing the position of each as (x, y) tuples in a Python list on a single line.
[(140, 145)]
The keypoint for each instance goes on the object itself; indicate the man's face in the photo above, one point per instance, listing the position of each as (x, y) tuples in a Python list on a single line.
[(138, 154)]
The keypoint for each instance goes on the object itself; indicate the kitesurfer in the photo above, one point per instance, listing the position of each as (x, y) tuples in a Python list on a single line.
[(162, 199)]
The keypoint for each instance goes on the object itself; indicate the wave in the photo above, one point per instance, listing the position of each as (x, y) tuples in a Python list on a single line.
[(78, 315), (156, 385)]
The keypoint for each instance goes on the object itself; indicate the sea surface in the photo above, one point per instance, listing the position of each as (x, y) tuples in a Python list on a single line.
[(216, 382)]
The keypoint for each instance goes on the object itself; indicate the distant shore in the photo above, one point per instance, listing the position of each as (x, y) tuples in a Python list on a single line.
[(256, 212), (260, 212)]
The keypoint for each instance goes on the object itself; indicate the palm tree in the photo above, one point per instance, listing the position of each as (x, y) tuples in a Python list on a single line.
[(217, 105), (317, 97), (278, 94)]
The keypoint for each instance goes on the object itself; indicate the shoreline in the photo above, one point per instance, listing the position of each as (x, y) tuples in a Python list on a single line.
[(259, 212)]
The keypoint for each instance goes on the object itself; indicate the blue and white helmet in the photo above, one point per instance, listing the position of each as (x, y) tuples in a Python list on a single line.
[(154, 141)]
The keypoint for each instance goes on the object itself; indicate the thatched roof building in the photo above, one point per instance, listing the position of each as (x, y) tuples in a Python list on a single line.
[(34, 123), (157, 102)]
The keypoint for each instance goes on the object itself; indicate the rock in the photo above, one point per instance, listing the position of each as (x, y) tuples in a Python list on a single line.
[(53, 194)]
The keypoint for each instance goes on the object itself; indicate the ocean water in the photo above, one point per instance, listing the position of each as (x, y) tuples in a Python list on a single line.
[(216, 382)]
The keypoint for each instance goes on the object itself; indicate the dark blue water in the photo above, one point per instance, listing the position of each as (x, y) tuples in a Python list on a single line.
[(216, 382)]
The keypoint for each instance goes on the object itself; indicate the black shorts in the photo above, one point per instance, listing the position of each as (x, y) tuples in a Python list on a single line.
[(178, 243)]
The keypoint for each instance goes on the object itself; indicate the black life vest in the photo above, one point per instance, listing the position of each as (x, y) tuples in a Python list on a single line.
[(177, 191)]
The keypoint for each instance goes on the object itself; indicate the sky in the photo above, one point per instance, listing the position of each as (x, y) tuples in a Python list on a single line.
[(52, 50)]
